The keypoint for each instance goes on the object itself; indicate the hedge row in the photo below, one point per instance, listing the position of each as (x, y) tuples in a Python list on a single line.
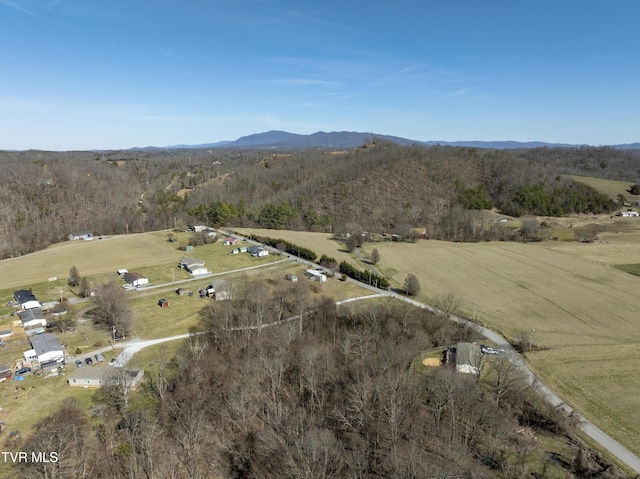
[(364, 276), (286, 246)]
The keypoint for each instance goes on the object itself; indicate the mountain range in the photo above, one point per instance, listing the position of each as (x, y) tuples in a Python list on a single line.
[(348, 139)]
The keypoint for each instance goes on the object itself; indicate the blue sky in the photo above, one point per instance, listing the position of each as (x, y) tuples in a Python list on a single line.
[(109, 74)]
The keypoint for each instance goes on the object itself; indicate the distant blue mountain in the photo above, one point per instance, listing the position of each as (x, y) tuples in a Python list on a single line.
[(349, 139)]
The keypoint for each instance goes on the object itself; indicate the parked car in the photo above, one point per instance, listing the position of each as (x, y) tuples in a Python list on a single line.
[(88, 360), (22, 371), (78, 363), (99, 357)]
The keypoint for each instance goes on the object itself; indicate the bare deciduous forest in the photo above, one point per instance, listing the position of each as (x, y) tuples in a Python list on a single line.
[(377, 187), (337, 394)]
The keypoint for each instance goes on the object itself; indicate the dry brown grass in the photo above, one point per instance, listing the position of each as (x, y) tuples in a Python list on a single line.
[(90, 257)]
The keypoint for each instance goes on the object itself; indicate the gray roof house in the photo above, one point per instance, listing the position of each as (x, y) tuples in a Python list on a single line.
[(32, 317), (47, 348)]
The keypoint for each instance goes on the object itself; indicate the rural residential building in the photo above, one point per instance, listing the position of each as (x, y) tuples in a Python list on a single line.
[(33, 321), (26, 299), (135, 279), (100, 376), (257, 251), (316, 275), (231, 241), (81, 235), (194, 266), (46, 348), (468, 358)]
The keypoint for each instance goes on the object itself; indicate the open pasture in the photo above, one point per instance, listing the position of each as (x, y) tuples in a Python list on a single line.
[(90, 257), (600, 381)]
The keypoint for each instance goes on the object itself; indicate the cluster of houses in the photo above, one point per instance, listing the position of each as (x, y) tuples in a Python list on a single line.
[(255, 251), (46, 351), (47, 354)]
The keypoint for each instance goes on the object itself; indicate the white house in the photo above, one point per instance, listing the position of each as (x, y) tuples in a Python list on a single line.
[(257, 251), (100, 376), (33, 321), (26, 299), (316, 275), (194, 266), (135, 279), (47, 348), (81, 235)]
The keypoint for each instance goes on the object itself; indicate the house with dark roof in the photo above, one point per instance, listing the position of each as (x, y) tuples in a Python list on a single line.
[(135, 279), (32, 317), (26, 299), (33, 321), (257, 251)]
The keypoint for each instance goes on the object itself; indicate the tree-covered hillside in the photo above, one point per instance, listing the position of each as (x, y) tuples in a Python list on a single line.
[(380, 186)]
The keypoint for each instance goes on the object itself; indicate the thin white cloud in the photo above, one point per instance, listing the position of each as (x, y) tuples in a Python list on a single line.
[(18, 7), (305, 82)]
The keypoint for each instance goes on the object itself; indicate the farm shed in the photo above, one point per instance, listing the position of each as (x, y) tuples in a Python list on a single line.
[(26, 299), (135, 279), (49, 367), (181, 291), (81, 235), (47, 348), (163, 303), (468, 358), (291, 277), (100, 376), (32, 317)]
